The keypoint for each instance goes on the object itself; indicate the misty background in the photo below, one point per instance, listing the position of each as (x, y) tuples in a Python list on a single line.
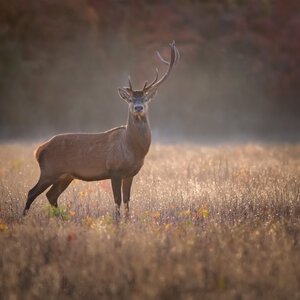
[(238, 79)]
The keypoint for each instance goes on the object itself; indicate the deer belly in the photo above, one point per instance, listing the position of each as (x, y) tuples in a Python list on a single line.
[(90, 172), (91, 176), (125, 169)]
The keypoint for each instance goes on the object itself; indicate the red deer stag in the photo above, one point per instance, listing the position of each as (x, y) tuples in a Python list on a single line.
[(117, 154)]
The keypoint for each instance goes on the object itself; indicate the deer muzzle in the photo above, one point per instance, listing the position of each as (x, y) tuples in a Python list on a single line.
[(138, 108)]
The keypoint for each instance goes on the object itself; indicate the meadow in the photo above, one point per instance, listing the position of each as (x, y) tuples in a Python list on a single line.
[(218, 222)]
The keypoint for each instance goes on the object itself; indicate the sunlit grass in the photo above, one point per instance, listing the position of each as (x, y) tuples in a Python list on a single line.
[(218, 222)]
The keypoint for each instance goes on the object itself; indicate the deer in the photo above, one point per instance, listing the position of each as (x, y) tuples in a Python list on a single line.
[(117, 154)]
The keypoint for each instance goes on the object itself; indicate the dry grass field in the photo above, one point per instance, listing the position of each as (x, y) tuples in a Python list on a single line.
[(206, 223)]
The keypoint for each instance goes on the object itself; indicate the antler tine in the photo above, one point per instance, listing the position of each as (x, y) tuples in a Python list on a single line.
[(162, 59), (174, 58), (154, 81), (177, 54), (129, 81)]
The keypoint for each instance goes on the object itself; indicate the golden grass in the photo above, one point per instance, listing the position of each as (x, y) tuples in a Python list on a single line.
[(206, 222)]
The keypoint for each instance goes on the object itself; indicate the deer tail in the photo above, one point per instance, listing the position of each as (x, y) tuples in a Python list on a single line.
[(38, 151)]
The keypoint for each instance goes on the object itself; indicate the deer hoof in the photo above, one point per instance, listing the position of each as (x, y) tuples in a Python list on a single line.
[(117, 214), (127, 214)]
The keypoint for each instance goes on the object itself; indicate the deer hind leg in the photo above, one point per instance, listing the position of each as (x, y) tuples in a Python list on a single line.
[(126, 187), (57, 188), (39, 188), (116, 187)]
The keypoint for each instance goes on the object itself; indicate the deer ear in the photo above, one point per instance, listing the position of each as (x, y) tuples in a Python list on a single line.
[(124, 94), (151, 94)]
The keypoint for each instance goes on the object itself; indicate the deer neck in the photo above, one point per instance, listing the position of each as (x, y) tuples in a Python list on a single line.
[(138, 134)]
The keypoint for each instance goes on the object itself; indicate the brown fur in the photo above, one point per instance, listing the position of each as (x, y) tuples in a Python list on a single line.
[(117, 154), (38, 150)]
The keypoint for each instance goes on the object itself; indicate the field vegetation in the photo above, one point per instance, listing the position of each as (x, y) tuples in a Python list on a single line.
[(206, 223)]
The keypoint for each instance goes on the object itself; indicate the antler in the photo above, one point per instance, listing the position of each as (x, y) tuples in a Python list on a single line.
[(174, 58), (130, 84)]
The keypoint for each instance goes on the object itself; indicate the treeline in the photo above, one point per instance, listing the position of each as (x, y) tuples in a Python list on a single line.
[(61, 61)]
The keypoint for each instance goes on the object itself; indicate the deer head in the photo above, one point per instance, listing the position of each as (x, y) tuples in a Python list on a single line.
[(138, 99)]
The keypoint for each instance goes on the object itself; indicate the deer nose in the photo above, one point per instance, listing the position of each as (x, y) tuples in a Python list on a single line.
[(138, 108)]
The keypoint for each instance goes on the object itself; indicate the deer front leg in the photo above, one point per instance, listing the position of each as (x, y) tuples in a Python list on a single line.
[(116, 187), (126, 186)]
